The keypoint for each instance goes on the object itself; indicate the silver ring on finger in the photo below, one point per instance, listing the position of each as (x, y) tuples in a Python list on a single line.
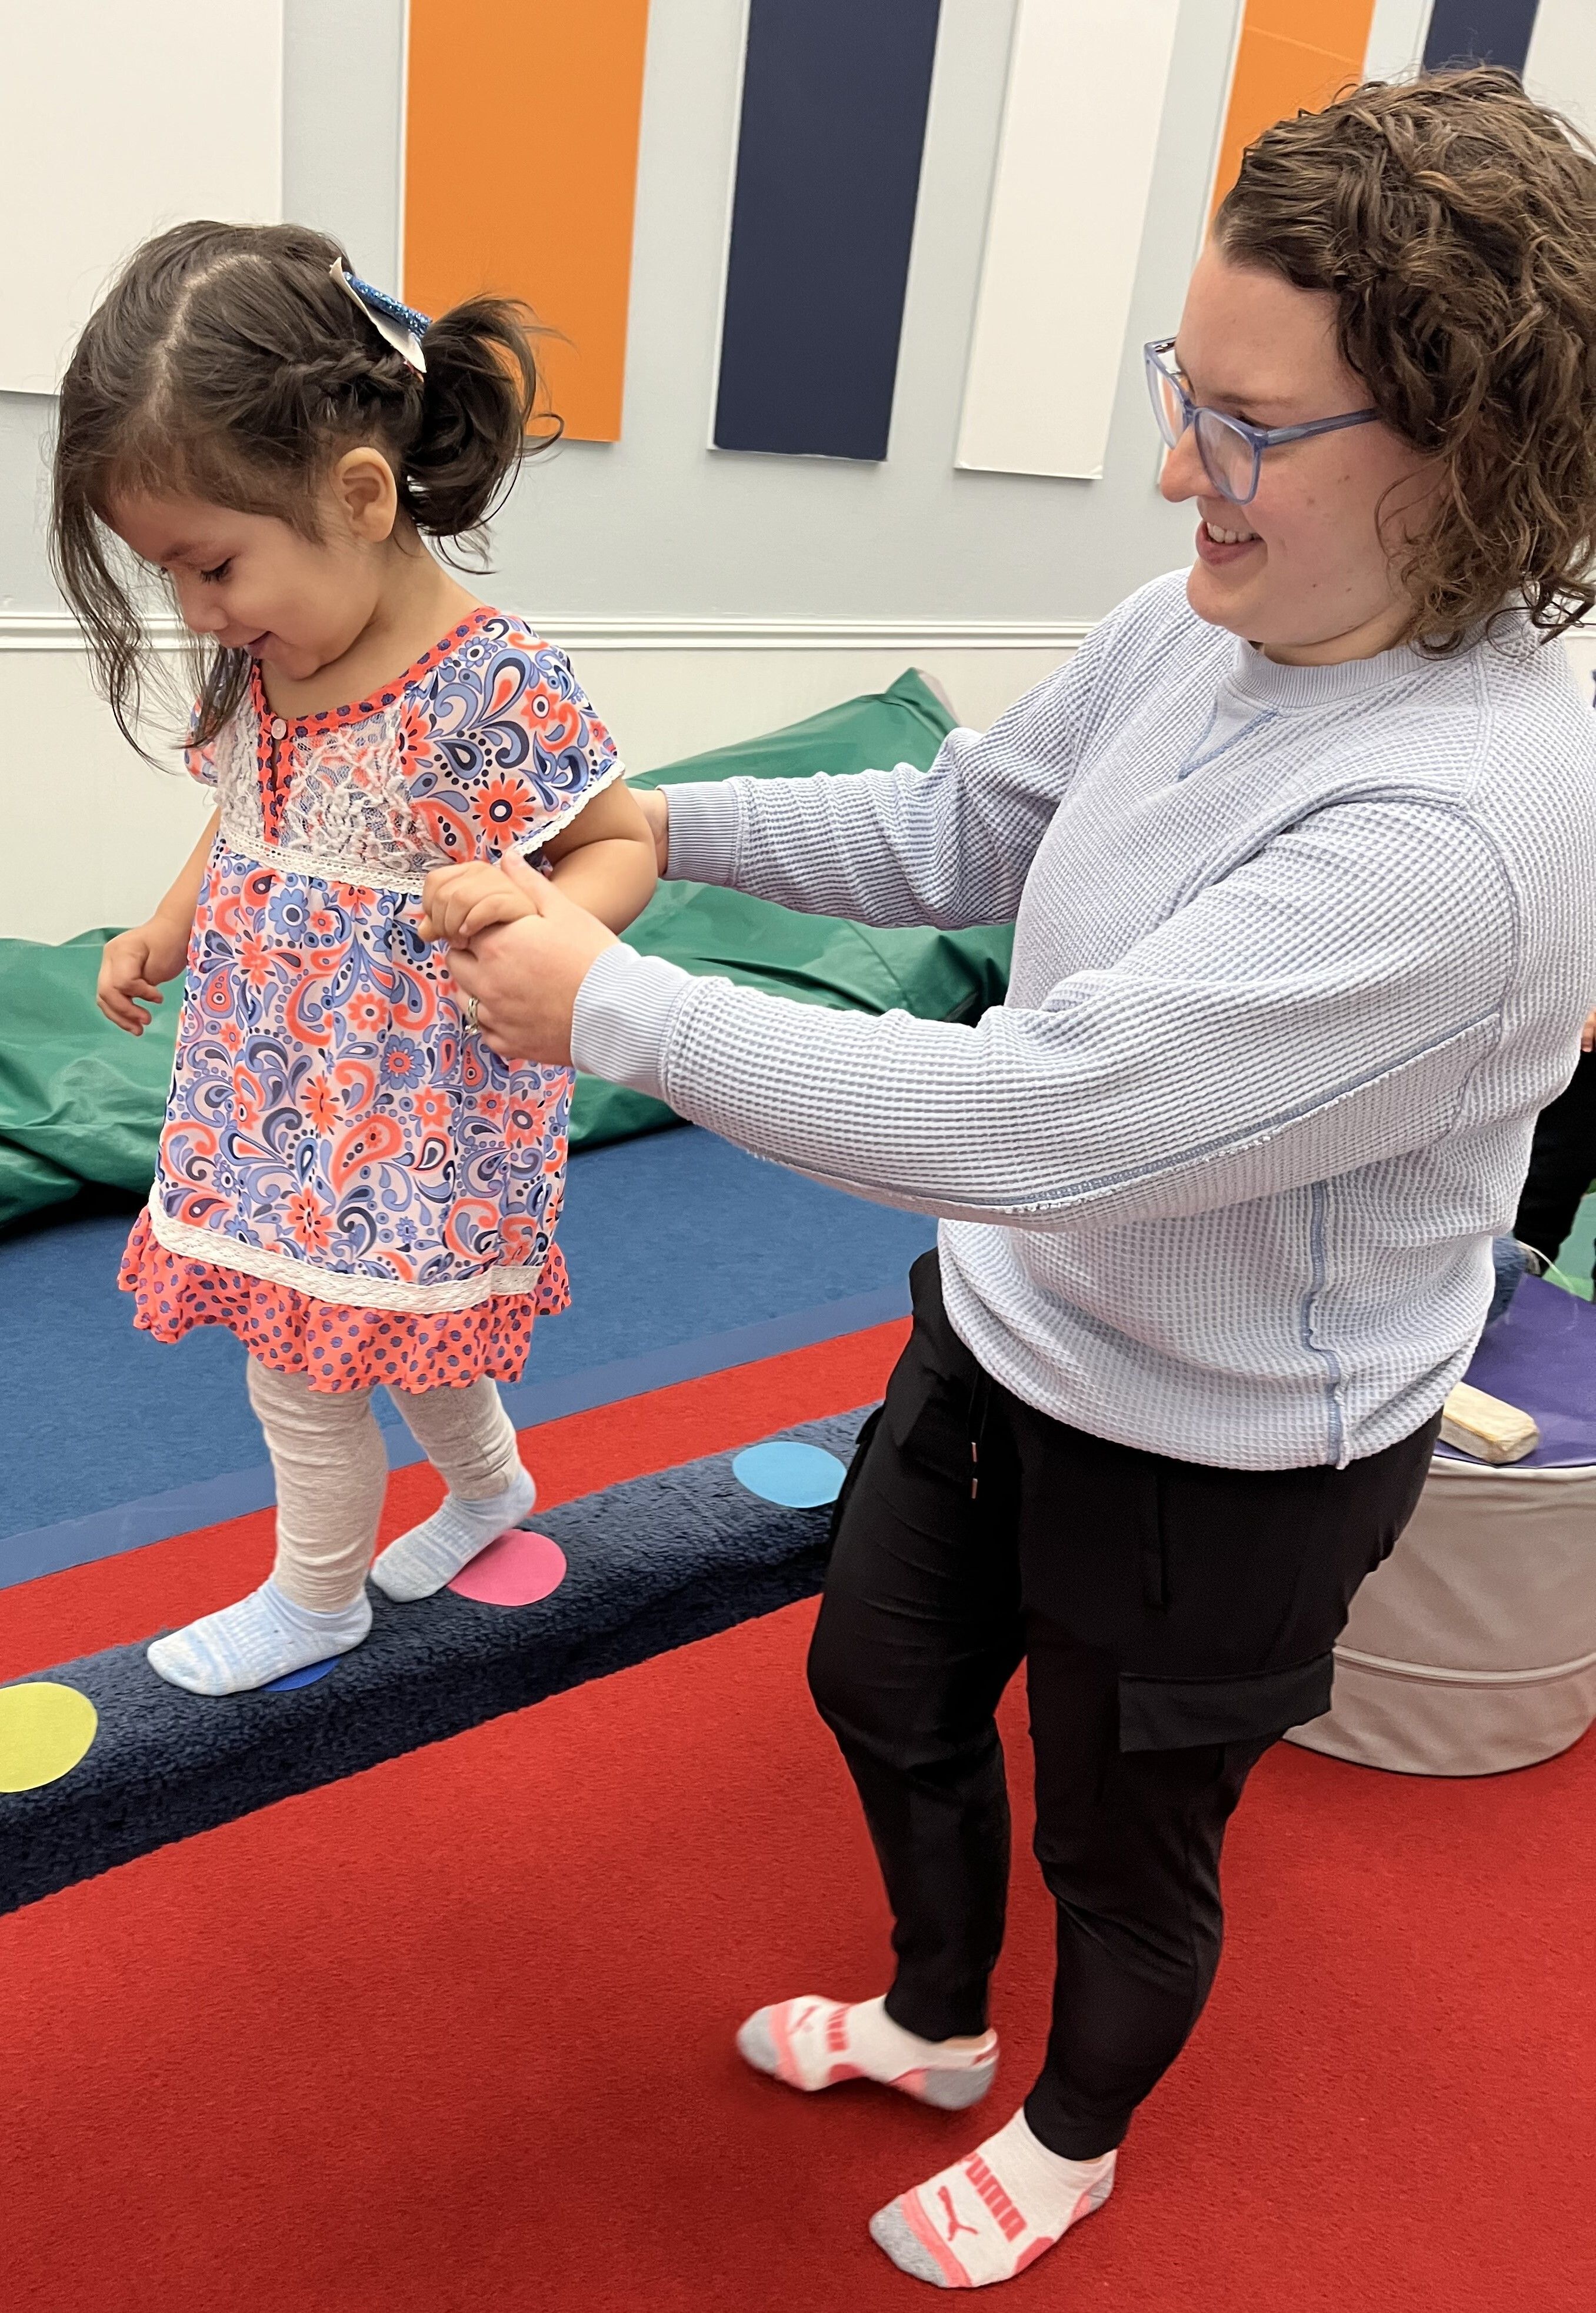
[(471, 1015)]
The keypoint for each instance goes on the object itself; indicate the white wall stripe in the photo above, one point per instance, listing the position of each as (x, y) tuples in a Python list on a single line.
[(120, 121), (1080, 125), (1560, 68), (1397, 38)]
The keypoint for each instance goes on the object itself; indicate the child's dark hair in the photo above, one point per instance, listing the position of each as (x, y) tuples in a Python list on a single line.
[(226, 364)]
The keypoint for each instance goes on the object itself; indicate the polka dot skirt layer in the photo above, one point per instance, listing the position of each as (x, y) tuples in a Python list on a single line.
[(337, 1347)]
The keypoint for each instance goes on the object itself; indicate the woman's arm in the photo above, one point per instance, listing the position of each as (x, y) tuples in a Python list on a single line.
[(1321, 1008), (951, 846), (137, 963)]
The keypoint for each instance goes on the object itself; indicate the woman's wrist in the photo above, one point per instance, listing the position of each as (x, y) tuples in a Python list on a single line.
[(704, 825), (621, 1016)]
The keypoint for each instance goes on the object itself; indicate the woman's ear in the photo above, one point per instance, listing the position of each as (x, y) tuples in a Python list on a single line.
[(363, 487)]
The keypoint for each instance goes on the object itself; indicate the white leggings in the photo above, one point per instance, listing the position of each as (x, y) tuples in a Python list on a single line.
[(333, 1470)]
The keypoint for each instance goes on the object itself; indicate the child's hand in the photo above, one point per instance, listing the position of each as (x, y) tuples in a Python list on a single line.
[(135, 964), (459, 902)]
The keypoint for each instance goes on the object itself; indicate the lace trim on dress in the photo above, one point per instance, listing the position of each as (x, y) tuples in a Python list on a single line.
[(220, 1250), (246, 842), (241, 834)]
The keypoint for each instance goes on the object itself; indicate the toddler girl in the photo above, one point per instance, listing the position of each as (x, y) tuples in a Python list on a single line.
[(348, 1178)]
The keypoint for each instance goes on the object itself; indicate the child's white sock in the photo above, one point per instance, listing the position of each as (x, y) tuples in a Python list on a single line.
[(812, 2043), (264, 1637), (992, 2213), (433, 1552)]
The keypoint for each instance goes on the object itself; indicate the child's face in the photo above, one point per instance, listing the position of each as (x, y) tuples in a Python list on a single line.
[(256, 583)]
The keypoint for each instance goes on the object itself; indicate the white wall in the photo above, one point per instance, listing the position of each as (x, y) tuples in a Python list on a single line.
[(704, 594)]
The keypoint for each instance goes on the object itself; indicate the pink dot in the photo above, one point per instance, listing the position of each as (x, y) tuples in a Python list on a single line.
[(517, 1571)]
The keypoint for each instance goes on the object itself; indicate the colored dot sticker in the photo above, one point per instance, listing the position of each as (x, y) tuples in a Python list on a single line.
[(784, 1470), (517, 1571), (307, 1677), (45, 1730)]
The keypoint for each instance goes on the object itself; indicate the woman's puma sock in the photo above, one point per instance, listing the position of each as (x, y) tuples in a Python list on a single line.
[(812, 2044), (992, 2213)]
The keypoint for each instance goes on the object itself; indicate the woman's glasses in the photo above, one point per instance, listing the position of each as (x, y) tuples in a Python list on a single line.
[(1232, 450)]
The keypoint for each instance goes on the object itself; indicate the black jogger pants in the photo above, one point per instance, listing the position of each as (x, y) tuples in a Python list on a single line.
[(1174, 1620), (1562, 1163)]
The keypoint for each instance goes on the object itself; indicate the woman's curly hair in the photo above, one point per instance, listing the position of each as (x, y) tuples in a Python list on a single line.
[(1453, 219)]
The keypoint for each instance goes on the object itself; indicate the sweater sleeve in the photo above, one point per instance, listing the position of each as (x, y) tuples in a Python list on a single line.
[(1319, 1008), (950, 847)]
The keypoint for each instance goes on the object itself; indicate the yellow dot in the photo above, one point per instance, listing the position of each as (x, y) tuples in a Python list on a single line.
[(44, 1731)]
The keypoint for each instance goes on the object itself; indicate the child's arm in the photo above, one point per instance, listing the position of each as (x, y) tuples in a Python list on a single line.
[(604, 859), (137, 962)]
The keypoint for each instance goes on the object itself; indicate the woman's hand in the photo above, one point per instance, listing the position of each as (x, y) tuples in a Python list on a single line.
[(524, 975), (459, 902), (656, 811), (135, 965), (1587, 1042)]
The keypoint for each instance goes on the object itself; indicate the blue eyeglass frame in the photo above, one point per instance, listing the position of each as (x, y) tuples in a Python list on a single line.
[(1256, 439)]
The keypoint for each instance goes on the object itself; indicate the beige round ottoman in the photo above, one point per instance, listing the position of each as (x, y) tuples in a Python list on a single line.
[(1473, 1647)]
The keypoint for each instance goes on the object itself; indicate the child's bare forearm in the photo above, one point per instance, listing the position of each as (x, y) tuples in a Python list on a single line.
[(613, 878)]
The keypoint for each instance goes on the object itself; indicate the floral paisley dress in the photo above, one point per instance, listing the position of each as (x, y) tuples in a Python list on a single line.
[(356, 1186)]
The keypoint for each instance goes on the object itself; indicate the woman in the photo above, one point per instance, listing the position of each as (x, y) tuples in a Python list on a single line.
[(1303, 845)]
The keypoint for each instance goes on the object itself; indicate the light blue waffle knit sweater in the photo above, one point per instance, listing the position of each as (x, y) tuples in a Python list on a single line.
[(1300, 953)]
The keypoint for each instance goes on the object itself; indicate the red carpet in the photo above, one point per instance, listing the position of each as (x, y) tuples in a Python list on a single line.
[(117, 1600), (454, 2037)]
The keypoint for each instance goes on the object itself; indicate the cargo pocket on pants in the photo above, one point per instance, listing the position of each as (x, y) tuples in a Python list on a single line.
[(1174, 1714)]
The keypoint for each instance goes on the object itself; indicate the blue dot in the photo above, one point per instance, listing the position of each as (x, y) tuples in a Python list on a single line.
[(800, 1477), (305, 1677)]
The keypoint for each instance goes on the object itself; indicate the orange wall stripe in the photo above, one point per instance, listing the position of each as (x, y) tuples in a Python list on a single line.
[(1289, 59), (520, 177)]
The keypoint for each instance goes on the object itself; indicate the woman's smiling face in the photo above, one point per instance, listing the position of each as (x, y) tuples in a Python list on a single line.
[(1302, 570)]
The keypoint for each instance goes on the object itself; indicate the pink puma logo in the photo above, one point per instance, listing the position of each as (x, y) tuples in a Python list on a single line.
[(798, 2022), (1011, 2223), (955, 2225)]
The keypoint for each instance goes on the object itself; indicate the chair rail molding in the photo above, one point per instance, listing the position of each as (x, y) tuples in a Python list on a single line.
[(58, 631)]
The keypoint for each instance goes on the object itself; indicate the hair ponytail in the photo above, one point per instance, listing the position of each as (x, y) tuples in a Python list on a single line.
[(478, 400)]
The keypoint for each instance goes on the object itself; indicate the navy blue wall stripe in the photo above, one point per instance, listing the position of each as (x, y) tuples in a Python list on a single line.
[(834, 97), (107, 1534), (1487, 32)]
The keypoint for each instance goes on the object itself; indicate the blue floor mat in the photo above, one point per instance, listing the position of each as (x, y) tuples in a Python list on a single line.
[(669, 1240)]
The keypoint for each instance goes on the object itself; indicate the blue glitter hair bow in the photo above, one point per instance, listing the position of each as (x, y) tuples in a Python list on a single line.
[(399, 326)]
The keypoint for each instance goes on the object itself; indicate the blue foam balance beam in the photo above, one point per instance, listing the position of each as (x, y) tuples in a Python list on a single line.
[(652, 1564)]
